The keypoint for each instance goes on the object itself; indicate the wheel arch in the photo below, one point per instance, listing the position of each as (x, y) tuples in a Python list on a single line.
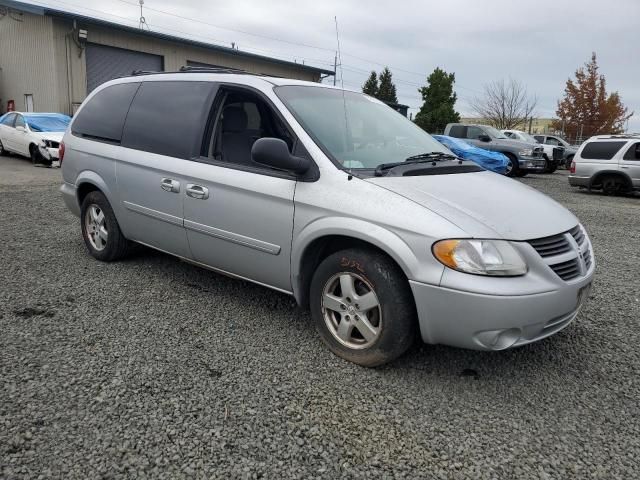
[(597, 178), (314, 246), (89, 181)]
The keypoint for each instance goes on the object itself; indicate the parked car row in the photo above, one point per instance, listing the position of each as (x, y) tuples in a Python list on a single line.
[(33, 135)]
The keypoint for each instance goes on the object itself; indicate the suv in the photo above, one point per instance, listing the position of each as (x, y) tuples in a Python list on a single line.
[(524, 157), (330, 196), (556, 141), (609, 163), (553, 156)]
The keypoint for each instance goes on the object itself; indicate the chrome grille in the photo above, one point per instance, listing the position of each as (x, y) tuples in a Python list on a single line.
[(550, 246), (567, 270), (568, 254)]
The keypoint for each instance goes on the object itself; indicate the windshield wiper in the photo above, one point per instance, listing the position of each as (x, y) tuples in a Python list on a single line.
[(421, 158)]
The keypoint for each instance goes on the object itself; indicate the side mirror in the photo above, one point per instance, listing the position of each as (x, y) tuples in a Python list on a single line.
[(20, 128), (273, 152), (484, 138)]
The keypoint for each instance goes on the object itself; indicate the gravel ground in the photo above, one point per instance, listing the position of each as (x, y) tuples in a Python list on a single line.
[(152, 368)]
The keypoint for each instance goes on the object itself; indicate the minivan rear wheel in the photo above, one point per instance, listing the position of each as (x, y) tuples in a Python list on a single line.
[(100, 229), (362, 307)]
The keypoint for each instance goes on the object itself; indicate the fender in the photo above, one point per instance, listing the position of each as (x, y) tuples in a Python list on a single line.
[(601, 173), (382, 238), (89, 176)]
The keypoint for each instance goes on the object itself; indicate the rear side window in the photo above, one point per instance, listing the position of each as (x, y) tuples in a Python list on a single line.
[(457, 131), (633, 153), (8, 119), (102, 118), (601, 150), (169, 118)]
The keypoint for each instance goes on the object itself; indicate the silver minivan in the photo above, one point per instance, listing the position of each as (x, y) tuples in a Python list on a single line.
[(328, 195)]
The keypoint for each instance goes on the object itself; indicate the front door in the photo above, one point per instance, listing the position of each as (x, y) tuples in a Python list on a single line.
[(630, 163), (238, 214)]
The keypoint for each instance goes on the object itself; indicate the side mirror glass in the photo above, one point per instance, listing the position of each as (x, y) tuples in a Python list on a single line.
[(274, 153), (484, 138)]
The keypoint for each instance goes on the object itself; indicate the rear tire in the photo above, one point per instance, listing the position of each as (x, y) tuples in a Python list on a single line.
[(100, 229), (513, 167), (362, 307), (612, 185)]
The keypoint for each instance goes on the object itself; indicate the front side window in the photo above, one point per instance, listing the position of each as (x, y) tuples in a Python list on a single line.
[(601, 150), (552, 141), (539, 138), (243, 118), (8, 119), (19, 121), (474, 133), (633, 153), (355, 130), (493, 132)]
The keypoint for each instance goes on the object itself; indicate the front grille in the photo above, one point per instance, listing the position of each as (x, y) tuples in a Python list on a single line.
[(558, 153), (568, 254), (550, 246), (538, 151), (567, 270)]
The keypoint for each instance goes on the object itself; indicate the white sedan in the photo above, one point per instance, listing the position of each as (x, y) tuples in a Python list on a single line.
[(33, 135)]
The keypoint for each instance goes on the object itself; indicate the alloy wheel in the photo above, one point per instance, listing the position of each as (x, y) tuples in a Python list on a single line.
[(96, 227), (351, 310)]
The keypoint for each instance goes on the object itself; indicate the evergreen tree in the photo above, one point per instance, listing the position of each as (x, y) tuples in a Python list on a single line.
[(439, 100), (370, 87), (386, 89)]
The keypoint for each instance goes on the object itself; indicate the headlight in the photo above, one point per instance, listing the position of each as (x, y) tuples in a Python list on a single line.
[(525, 153), (481, 257)]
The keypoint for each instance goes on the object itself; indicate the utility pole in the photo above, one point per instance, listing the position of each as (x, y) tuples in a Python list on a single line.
[(335, 68)]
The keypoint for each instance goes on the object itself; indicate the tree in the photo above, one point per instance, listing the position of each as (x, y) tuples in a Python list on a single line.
[(370, 87), (586, 109), (439, 100), (386, 88), (504, 104)]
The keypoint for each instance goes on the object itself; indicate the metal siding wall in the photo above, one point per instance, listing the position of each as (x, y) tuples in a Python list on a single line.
[(27, 62)]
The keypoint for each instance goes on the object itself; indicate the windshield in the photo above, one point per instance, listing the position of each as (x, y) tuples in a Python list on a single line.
[(55, 122), (528, 138), (357, 131), (493, 132)]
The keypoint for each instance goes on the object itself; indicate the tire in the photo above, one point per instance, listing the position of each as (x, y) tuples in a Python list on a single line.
[(3, 152), (513, 167), (522, 173), (36, 157), (612, 185), (554, 167), (96, 213), (369, 287)]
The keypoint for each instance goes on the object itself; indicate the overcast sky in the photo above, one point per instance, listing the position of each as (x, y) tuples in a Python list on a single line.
[(540, 43)]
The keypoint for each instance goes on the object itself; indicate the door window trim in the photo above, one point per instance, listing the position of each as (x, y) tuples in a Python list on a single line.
[(298, 147)]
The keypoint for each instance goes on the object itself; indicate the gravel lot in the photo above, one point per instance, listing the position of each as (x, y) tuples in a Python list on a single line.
[(152, 368)]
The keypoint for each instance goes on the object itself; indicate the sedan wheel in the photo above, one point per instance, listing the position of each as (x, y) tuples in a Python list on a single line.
[(351, 310), (2, 150)]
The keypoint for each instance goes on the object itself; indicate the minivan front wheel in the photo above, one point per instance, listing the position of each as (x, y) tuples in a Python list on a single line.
[(100, 229), (362, 307)]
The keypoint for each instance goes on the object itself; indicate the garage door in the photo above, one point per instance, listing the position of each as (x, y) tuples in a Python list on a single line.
[(106, 63)]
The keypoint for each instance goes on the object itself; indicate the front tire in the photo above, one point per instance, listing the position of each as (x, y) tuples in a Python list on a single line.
[(3, 151), (513, 167), (100, 229), (362, 307), (612, 185)]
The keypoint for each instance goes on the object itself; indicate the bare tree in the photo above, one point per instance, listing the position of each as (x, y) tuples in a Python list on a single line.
[(505, 104)]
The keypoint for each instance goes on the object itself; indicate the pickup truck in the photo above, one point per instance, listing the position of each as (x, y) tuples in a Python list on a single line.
[(524, 157), (554, 155)]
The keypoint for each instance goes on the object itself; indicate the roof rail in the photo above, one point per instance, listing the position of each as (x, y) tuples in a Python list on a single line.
[(193, 69)]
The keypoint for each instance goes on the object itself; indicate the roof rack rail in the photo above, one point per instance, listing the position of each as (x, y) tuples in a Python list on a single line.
[(194, 69)]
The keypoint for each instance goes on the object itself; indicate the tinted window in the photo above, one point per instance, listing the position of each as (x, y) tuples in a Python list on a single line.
[(601, 150), (169, 118), (8, 120), (19, 121), (539, 138), (474, 133), (457, 131), (633, 153), (552, 141), (103, 116)]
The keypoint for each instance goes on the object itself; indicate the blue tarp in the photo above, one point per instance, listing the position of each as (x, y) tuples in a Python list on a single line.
[(47, 122), (494, 161)]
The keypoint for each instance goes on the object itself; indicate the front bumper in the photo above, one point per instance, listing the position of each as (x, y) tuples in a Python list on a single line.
[(49, 153), (576, 181), (532, 164), (491, 322)]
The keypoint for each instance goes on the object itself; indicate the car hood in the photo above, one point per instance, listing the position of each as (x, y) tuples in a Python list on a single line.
[(54, 136), (484, 204), (515, 143)]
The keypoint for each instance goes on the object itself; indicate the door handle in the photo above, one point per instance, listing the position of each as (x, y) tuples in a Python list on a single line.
[(624, 166), (170, 185), (197, 191)]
